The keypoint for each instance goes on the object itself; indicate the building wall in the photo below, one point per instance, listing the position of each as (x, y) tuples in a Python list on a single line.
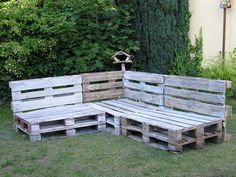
[(208, 15)]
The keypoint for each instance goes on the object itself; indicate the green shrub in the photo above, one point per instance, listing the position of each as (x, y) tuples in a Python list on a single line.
[(162, 26), (188, 63), (228, 72), (40, 38)]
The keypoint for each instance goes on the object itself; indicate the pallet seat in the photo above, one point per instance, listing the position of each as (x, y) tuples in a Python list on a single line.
[(163, 128), (53, 106), (63, 121)]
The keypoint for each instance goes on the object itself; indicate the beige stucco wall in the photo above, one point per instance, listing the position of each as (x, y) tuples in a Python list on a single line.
[(208, 15)]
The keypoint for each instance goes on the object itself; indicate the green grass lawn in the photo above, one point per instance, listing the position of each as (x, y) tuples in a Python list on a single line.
[(104, 154)]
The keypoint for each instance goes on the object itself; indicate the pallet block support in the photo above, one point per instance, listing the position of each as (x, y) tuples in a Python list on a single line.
[(35, 137)]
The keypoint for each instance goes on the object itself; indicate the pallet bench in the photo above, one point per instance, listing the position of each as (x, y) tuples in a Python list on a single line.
[(53, 106), (155, 125), (168, 112), (71, 120)]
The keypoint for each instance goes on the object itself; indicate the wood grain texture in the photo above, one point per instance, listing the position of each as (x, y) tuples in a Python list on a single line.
[(19, 106), (29, 95), (76, 114), (196, 83), (192, 94), (195, 106), (167, 111), (101, 86), (199, 95), (143, 87), (56, 110), (102, 95), (16, 95), (175, 120), (229, 111), (146, 87), (31, 84), (144, 77), (144, 97), (102, 76), (139, 108), (229, 84)]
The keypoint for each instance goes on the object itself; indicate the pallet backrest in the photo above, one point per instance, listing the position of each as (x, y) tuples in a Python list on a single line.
[(144, 87), (102, 86), (198, 95), (28, 95), (203, 96)]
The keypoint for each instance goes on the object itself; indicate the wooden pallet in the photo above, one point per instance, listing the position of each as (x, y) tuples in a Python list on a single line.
[(101, 86), (68, 121), (170, 112), (166, 119), (113, 124), (172, 140)]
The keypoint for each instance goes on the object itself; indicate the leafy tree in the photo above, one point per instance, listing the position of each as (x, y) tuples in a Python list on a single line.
[(40, 38), (188, 63), (162, 28)]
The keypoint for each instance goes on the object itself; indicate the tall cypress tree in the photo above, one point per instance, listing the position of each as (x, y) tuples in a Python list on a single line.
[(162, 28)]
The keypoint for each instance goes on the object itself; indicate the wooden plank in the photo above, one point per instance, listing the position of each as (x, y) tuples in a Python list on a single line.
[(143, 77), (45, 82), (201, 96), (229, 84), (141, 104), (144, 97), (147, 118), (152, 122), (110, 121), (228, 111), (185, 115), (133, 128), (196, 83), (102, 76), (101, 86), (19, 106), (76, 114), (107, 110), (122, 111), (143, 87), (16, 95), (61, 127), (169, 111), (194, 106), (171, 115), (100, 95), (175, 120), (54, 111)]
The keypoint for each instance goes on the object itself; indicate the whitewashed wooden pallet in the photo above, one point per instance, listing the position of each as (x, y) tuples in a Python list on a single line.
[(113, 124), (101, 86), (144, 87), (42, 93), (197, 95), (70, 119), (171, 103), (170, 121)]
